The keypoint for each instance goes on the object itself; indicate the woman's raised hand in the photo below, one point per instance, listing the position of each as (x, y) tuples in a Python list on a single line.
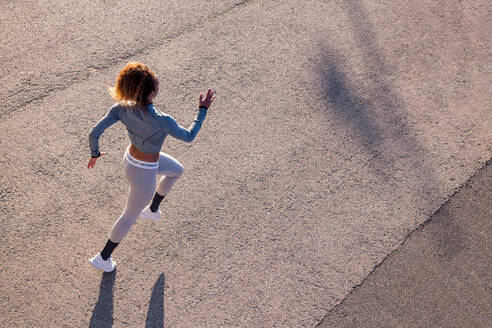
[(92, 161), (208, 99)]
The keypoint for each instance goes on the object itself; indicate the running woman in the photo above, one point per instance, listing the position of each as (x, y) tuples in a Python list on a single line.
[(136, 86)]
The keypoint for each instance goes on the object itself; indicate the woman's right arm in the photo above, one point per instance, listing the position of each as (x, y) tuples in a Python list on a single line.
[(109, 119)]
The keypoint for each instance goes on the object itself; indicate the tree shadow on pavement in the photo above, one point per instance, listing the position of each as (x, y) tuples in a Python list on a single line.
[(351, 109), (365, 107), (155, 314), (367, 110), (102, 316)]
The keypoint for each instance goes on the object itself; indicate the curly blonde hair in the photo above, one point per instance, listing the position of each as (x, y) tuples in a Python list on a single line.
[(134, 84)]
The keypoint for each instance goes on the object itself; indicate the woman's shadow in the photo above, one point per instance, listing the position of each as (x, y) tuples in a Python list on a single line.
[(155, 314), (102, 316)]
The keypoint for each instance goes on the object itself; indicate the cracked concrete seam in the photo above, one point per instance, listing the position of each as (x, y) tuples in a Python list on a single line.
[(408, 235)]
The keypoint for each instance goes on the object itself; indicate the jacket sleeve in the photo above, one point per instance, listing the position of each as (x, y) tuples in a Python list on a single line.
[(171, 127), (109, 119)]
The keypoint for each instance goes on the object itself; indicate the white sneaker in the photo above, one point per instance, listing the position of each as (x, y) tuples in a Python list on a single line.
[(148, 214), (97, 262)]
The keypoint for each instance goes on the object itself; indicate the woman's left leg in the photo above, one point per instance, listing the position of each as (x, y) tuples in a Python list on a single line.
[(142, 186)]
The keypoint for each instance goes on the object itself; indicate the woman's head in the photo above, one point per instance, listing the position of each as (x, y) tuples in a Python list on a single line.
[(136, 83)]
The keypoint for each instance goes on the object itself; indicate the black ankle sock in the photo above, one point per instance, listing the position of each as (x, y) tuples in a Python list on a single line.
[(108, 249), (156, 202)]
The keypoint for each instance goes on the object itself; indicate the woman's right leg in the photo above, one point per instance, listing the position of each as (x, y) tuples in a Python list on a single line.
[(171, 170)]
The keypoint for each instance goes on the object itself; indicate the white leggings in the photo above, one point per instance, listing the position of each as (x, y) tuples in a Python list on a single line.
[(142, 188)]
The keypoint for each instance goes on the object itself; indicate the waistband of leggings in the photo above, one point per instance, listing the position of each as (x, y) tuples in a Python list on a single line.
[(138, 163)]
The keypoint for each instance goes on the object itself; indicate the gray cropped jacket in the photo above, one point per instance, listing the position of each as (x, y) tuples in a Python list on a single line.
[(146, 129)]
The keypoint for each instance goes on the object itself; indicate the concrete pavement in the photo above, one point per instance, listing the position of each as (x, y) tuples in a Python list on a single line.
[(339, 128)]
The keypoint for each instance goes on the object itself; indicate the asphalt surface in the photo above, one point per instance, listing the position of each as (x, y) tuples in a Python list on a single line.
[(440, 275), (338, 129)]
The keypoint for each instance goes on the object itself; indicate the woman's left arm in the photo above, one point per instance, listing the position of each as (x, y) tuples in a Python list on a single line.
[(171, 127), (177, 131)]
